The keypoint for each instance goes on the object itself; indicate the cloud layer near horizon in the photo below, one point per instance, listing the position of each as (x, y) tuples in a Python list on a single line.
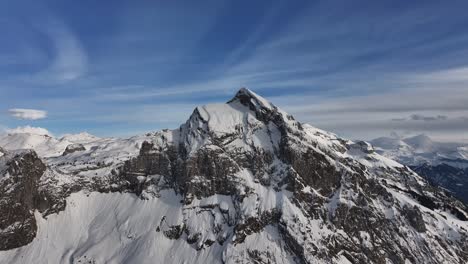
[(29, 130), (27, 114)]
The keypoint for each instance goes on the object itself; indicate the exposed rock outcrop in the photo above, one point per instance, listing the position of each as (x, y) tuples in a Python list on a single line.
[(73, 148), (19, 198)]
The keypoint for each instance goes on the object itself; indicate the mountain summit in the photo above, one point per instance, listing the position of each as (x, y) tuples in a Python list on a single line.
[(240, 182)]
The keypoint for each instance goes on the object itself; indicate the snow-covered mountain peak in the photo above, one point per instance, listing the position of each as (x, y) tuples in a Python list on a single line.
[(247, 121), (44, 145), (30, 130), (240, 182), (263, 109), (420, 142), (251, 99), (420, 149), (82, 137), (41, 140)]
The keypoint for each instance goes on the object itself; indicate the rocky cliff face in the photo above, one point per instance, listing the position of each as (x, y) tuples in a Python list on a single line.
[(21, 172), (73, 148), (243, 182)]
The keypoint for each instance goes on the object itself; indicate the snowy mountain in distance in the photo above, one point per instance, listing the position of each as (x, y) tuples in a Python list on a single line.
[(35, 138), (421, 149), (240, 182), (83, 137), (421, 143), (41, 140), (443, 164), (30, 130)]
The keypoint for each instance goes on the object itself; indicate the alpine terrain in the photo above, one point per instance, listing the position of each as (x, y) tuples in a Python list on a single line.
[(442, 164), (240, 182)]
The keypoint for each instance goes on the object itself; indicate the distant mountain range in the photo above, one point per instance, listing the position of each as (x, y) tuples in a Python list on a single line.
[(42, 141), (442, 164)]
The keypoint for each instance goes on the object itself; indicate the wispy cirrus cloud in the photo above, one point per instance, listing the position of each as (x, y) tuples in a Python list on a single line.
[(450, 75), (27, 114), (70, 60), (425, 108)]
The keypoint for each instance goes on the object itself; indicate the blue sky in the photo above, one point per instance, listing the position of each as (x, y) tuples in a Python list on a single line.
[(359, 68)]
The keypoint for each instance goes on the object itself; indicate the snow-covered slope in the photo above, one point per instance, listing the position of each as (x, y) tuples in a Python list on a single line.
[(39, 139), (443, 164), (51, 148), (83, 137), (241, 182), (43, 144)]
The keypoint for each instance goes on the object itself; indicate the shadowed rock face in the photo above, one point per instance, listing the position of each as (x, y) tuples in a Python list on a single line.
[(73, 148), (415, 219), (448, 177), (314, 170), (18, 199)]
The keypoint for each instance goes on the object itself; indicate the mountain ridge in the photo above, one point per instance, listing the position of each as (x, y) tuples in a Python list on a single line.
[(442, 164)]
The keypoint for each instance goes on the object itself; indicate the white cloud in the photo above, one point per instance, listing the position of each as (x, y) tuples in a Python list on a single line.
[(28, 114), (29, 130), (437, 112), (459, 74), (70, 59)]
